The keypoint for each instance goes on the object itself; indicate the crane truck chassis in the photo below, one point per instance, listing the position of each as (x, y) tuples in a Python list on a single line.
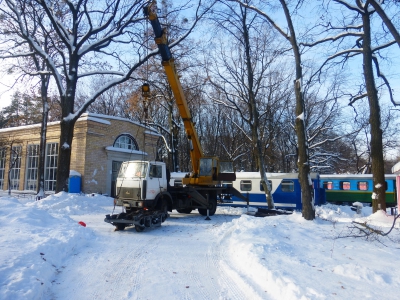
[(143, 188)]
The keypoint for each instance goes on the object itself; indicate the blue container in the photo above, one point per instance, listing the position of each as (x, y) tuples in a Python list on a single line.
[(74, 184)]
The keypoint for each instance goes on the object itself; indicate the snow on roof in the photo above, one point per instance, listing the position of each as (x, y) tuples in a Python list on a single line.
[(85, 117), (98, 120), (24, 127), (117, 118), (116, 149), (152, 133)]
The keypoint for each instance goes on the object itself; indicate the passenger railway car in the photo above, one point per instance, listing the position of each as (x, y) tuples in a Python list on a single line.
[(346, 189), (285, 190)]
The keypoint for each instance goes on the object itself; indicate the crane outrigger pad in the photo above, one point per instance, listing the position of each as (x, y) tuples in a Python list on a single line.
[(265, 212)]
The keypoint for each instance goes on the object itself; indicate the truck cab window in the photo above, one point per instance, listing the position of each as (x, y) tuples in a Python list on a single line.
[(155, 171)]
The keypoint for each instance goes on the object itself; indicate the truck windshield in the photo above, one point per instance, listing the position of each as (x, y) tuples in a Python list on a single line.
[(133, 169)]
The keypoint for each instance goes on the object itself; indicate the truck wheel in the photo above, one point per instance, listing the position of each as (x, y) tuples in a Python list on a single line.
[(184, 210), (212, 208), (164, 206), (139, 228)]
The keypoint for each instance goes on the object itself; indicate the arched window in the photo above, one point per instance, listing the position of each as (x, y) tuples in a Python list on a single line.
[(126, 141)]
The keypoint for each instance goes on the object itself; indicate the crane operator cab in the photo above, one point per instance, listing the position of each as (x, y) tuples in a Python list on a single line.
[(212, 171)]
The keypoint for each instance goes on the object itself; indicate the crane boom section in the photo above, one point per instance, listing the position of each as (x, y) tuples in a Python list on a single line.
[(169, 66)]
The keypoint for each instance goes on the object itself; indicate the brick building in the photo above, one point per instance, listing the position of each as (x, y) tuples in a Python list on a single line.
[(101, 143)]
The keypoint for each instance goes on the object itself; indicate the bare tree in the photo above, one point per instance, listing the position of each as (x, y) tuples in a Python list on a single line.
[(91, 39), (303, 163), (362, 12), (247, 77)]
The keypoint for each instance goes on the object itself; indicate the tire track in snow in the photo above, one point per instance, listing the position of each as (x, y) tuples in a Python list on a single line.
[(231, 281), (128, 273), (120, 279), (197, 285)]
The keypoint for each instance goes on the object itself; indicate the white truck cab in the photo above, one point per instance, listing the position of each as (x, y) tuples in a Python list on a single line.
[(138, 181)]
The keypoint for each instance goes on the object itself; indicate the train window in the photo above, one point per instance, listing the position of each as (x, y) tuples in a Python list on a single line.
[(328, 185), (262, 188), (287, 186), (362, 185), (344, 185), (245, 185)]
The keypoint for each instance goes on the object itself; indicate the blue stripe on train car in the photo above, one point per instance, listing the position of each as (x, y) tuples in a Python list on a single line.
[(288, 200), (283, 199)]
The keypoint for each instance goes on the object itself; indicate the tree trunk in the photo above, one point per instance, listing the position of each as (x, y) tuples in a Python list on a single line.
[(64, 155), (254, 117), (307, 198), (67, 131), (43, 132), (308, 210), (378, 173)]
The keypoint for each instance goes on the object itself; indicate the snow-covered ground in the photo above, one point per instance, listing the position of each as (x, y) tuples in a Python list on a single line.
[(46, 254)]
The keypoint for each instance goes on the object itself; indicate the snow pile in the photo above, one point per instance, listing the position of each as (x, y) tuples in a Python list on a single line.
[(290, 258), (35, 239), (46, 254)]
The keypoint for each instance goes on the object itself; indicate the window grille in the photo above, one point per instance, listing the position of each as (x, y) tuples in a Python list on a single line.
[(2, 167), (32, 167), (51, 167), (126, 141), (15, 164)]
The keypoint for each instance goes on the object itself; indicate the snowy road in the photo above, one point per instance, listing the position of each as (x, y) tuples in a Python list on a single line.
[(127, 265), (45, 254)]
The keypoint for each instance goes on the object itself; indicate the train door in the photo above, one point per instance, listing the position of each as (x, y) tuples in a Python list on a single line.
[(288, 194)]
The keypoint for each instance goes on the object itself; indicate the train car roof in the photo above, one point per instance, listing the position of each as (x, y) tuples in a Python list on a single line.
[(248, 175), (244, 175), (178, 175), (352, 176)]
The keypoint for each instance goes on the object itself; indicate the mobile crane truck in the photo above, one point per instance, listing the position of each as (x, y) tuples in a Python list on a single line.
[(142, 187)]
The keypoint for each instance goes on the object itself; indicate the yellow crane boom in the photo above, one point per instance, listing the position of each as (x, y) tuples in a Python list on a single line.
[(206, 170)]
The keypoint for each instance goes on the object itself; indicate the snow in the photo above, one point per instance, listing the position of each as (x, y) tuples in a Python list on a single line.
[(396, 168), (84, 117), (301, 116), (46, 254), (74, 173), (123, 150), (100, 116)]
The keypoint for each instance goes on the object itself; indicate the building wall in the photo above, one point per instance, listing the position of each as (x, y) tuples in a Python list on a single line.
[(92, 153), (99, 136), (24, 136)]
